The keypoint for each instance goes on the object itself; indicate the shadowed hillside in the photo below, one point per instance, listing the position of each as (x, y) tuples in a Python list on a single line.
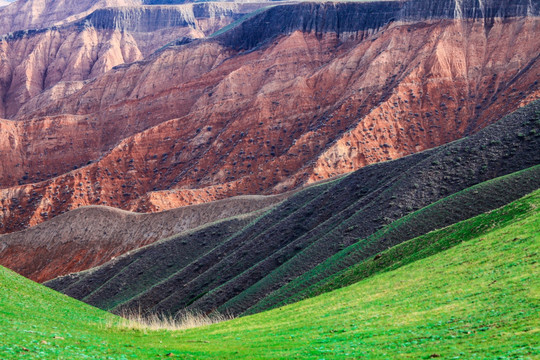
[(251, 265), (356, 261), (91, 236), (476, 300)]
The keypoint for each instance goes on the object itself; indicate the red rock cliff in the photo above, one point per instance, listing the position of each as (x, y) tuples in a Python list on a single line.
[(218, 118)]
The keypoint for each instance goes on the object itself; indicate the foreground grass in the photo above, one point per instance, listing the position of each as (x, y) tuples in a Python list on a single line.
[(477, 300), (187, 320)]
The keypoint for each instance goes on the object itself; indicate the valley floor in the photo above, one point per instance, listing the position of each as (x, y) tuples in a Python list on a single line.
[(477, 300)]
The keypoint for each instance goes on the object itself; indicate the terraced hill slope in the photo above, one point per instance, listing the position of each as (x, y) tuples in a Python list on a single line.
[(476, 300), (90, 236), (272, 104), (250, 269)]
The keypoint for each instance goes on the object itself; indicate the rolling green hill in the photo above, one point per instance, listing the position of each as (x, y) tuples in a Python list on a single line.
[(479, 299)]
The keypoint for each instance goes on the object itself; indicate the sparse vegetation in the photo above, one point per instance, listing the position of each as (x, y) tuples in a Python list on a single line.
[(136, 320)]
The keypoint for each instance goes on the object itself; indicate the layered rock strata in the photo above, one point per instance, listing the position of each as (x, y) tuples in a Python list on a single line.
[(275, 108)]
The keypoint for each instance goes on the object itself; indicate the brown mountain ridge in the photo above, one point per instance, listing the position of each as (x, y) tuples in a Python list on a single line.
[(321, 230), (92, 235), (263, 109)]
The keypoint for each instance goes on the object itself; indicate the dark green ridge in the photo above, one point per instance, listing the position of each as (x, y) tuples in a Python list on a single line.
[(350, 265)]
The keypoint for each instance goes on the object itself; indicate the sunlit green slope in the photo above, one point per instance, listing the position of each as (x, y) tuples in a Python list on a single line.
[(478, 300)]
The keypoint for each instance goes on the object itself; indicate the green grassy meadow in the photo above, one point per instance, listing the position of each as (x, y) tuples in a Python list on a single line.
[(479, 299)]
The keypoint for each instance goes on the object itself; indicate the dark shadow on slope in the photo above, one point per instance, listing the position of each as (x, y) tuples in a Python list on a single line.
[(319, 222)]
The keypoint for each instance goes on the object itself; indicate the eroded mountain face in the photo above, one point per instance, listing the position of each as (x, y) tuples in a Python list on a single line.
[(48, 64), (292, 95), (90, 236), (38, 14)]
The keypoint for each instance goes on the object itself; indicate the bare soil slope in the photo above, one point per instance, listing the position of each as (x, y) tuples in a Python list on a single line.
[(45, 59), (247, 271), (90, 236)]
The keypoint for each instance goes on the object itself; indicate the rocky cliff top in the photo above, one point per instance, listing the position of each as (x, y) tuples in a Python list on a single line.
[(310, 17), (151, 18), (355, 18), (179, 2), (468, 9), (36, 14)]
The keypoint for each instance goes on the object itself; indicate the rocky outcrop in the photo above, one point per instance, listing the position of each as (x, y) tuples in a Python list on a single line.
[(37, 14), (345, 19), (419, 10), (34, 61), (153, 18), (356, 19)]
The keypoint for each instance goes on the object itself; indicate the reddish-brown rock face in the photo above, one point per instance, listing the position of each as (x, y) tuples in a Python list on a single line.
[(40, 66), (204, 121)]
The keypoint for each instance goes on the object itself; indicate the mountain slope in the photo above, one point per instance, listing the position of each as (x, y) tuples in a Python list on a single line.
[(37, 60), (90, 236), (221, 117), (318, 222), (479, 301), (353, 264), (37, 14)]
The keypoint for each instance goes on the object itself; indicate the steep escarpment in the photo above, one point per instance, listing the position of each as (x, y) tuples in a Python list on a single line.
[(90, 236), (345, 19), (37, 14), (152, 18), (34, 61), (353, 20), (250, 267), (205, 121), (418, 10)]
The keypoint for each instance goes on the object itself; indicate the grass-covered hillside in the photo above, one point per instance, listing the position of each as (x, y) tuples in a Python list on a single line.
[(251, 269), (338, 271), (480, 299)]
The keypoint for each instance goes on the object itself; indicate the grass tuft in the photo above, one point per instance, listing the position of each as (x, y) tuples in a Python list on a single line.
[(137, 320)]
